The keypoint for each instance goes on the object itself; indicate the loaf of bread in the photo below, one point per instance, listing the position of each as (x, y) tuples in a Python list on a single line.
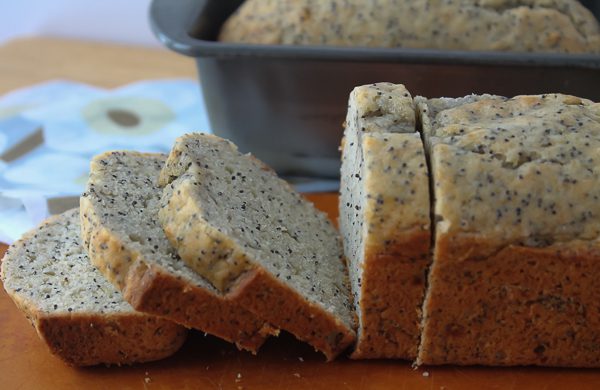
[(384, 219), (504, 25), (516, 268), (119, 216), (257, 240), (78, 314)]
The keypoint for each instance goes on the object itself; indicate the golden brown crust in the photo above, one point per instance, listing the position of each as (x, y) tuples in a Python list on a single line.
[(85, 340), (117, 338), (518, 306), (268, 298), (194, 307), (156, 291), (392, 290)]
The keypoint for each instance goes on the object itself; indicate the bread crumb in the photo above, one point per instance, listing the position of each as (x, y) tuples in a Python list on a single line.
[(301, 358), (426, 373), (238, 378), (297, 375), (147, 380)]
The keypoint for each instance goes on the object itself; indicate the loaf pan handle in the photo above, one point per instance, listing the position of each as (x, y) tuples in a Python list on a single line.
[(171, 22)]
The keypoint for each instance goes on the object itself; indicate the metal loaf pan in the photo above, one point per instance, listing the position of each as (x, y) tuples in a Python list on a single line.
[(286, 104)]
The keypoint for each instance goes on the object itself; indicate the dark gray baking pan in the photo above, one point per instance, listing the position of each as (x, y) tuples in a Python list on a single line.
[(286, 104)]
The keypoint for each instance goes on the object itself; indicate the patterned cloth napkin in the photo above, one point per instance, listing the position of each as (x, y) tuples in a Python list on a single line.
[(49, 133)]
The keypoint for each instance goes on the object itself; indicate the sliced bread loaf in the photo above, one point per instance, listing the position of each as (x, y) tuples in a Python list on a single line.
[(80, 316), (119, 216), (257, 240), (384, 219), (515, 278)]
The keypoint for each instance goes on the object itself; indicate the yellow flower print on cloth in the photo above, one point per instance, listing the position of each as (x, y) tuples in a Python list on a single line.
[(123, 116), (145, 116)]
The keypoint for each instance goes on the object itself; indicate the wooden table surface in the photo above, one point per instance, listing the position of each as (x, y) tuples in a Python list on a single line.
[(29, 61), (205, 362)]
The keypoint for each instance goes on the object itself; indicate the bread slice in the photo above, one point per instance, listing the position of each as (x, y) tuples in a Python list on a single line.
[(79, 315), (119, 216), (384, 219), (257, 240), (515, 276)]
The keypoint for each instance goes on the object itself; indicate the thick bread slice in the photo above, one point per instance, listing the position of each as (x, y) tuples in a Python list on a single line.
[(119, 215), (515, 278), (247, 231), (385, 219), (513, 25), (78, 314)]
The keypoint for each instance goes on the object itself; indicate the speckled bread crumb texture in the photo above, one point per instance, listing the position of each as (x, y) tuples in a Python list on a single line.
[(119, 214), (534, 158), (383, 107), (217, 257), (513, 280), (256, 240), (80, 316), (397, 190), (504, 25)]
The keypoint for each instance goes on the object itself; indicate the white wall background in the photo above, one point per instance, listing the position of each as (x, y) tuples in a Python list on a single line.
[(120, 21), (124, 21)]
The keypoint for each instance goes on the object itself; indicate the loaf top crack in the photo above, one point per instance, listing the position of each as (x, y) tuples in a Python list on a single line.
[(517, 25), (515, 171)]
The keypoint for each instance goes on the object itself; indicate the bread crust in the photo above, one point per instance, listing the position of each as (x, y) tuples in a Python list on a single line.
[(151, 289), (89, 340), (266, 296), (518, 306), (82, 339), (391, 294)]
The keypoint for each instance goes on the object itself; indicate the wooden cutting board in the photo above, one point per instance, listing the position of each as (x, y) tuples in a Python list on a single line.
[(205, 362), (283, 363)]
